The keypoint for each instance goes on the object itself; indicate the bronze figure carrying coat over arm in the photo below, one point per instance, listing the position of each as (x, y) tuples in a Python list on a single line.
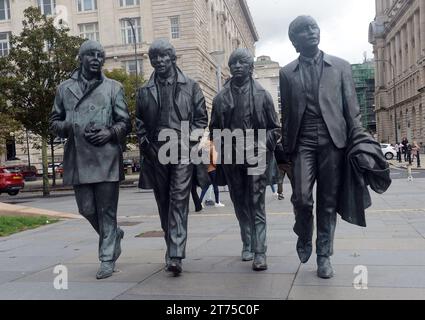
[(319, 110)]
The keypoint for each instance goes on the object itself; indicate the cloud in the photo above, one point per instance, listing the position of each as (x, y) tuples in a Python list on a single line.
[(344, 25)]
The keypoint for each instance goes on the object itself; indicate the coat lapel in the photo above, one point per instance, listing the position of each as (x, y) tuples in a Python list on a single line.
[(301, 90), (152, 88), (76, 90), (227, 107)]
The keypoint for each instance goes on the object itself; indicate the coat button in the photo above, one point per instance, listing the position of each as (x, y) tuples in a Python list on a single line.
[(92, 107)]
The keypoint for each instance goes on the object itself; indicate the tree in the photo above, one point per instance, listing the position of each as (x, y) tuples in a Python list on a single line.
[(129, 82), (41, 57)]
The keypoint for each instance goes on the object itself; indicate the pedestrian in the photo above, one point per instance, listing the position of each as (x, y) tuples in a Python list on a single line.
[(274, 177), (398, 148), (409, 153), (212, 170), (404, 144)]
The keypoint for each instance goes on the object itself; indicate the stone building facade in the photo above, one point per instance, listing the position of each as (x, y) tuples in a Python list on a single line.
[(398, 37), (195, 27), (266, 72)]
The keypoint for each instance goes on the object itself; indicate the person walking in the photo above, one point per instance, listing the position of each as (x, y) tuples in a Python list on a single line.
[(398, 148), (212, 170)]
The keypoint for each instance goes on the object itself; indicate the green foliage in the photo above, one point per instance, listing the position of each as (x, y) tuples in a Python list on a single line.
[(129, 83), (41, 57), (14, 224)]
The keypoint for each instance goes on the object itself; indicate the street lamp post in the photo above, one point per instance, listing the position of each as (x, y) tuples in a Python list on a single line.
[(218, 57), (394, 97), (130, 21)]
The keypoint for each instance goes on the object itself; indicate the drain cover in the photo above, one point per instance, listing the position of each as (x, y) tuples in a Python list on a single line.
[(151, 234), (129, 223)]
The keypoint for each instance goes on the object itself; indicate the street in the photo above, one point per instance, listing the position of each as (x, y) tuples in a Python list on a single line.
[(391, 248)]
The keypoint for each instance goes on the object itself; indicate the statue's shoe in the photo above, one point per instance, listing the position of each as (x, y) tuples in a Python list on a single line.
[(260, 262), (304, 250), (324, 268), (175, 266), (120, 236), (247, 256), (106, 270)]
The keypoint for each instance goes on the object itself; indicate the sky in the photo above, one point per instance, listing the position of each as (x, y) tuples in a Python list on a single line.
[(344, 27)]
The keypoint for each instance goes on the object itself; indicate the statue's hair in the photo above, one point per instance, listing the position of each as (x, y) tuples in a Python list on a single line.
[(241, 54), (162, 46), (295, 26), (90, 45)]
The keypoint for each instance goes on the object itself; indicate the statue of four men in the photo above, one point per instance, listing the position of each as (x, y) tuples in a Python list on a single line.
[(319, 108)]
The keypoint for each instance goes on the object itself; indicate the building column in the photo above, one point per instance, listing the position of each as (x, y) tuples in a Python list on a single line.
[(403, 49), (409, 45), (422, 26), (397, 54), (417, 37)]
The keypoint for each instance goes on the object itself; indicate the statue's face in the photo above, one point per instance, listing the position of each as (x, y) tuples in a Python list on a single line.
[(162, 63), (240, 68), (93, 60), (308, 34)]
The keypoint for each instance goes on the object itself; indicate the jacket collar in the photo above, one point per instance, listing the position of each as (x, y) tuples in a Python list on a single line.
[(326, 59), (181, 78), (75, 87)]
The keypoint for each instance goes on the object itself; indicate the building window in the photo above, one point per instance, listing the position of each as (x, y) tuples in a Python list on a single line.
[(128, 3), (86, 5), (4, 10), (175, 27), (89, 31), (127, 32), (130, 66), (47, 7), (4, 44)]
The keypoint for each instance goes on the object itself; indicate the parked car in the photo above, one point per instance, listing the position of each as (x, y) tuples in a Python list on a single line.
[(50, 169), (388, 151), (28, 172), (59, 170), (11, 181)]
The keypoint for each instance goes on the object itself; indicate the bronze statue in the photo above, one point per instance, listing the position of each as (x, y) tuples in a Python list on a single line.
[(245, 106), (169, 101), (90, 111), (319, 109)]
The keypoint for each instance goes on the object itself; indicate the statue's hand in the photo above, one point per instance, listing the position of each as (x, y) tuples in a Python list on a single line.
[(99, 137)]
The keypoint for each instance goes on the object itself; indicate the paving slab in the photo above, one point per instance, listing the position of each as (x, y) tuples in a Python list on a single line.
[(76, 291), (250, 286), (346, 293)]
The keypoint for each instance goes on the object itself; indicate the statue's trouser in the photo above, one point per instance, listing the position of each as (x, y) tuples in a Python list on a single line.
[(316, 159), (172, 193), (98, 203), (248, 197)]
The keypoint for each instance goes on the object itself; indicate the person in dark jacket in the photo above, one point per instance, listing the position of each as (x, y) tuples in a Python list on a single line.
[(169, 101), (319, 108), (91, 113), (243, 106)]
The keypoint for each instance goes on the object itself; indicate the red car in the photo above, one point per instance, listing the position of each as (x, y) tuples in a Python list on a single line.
[(28, 172), (11, 181)]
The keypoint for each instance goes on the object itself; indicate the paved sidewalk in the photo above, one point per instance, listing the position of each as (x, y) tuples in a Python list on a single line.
[(392, 248)]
